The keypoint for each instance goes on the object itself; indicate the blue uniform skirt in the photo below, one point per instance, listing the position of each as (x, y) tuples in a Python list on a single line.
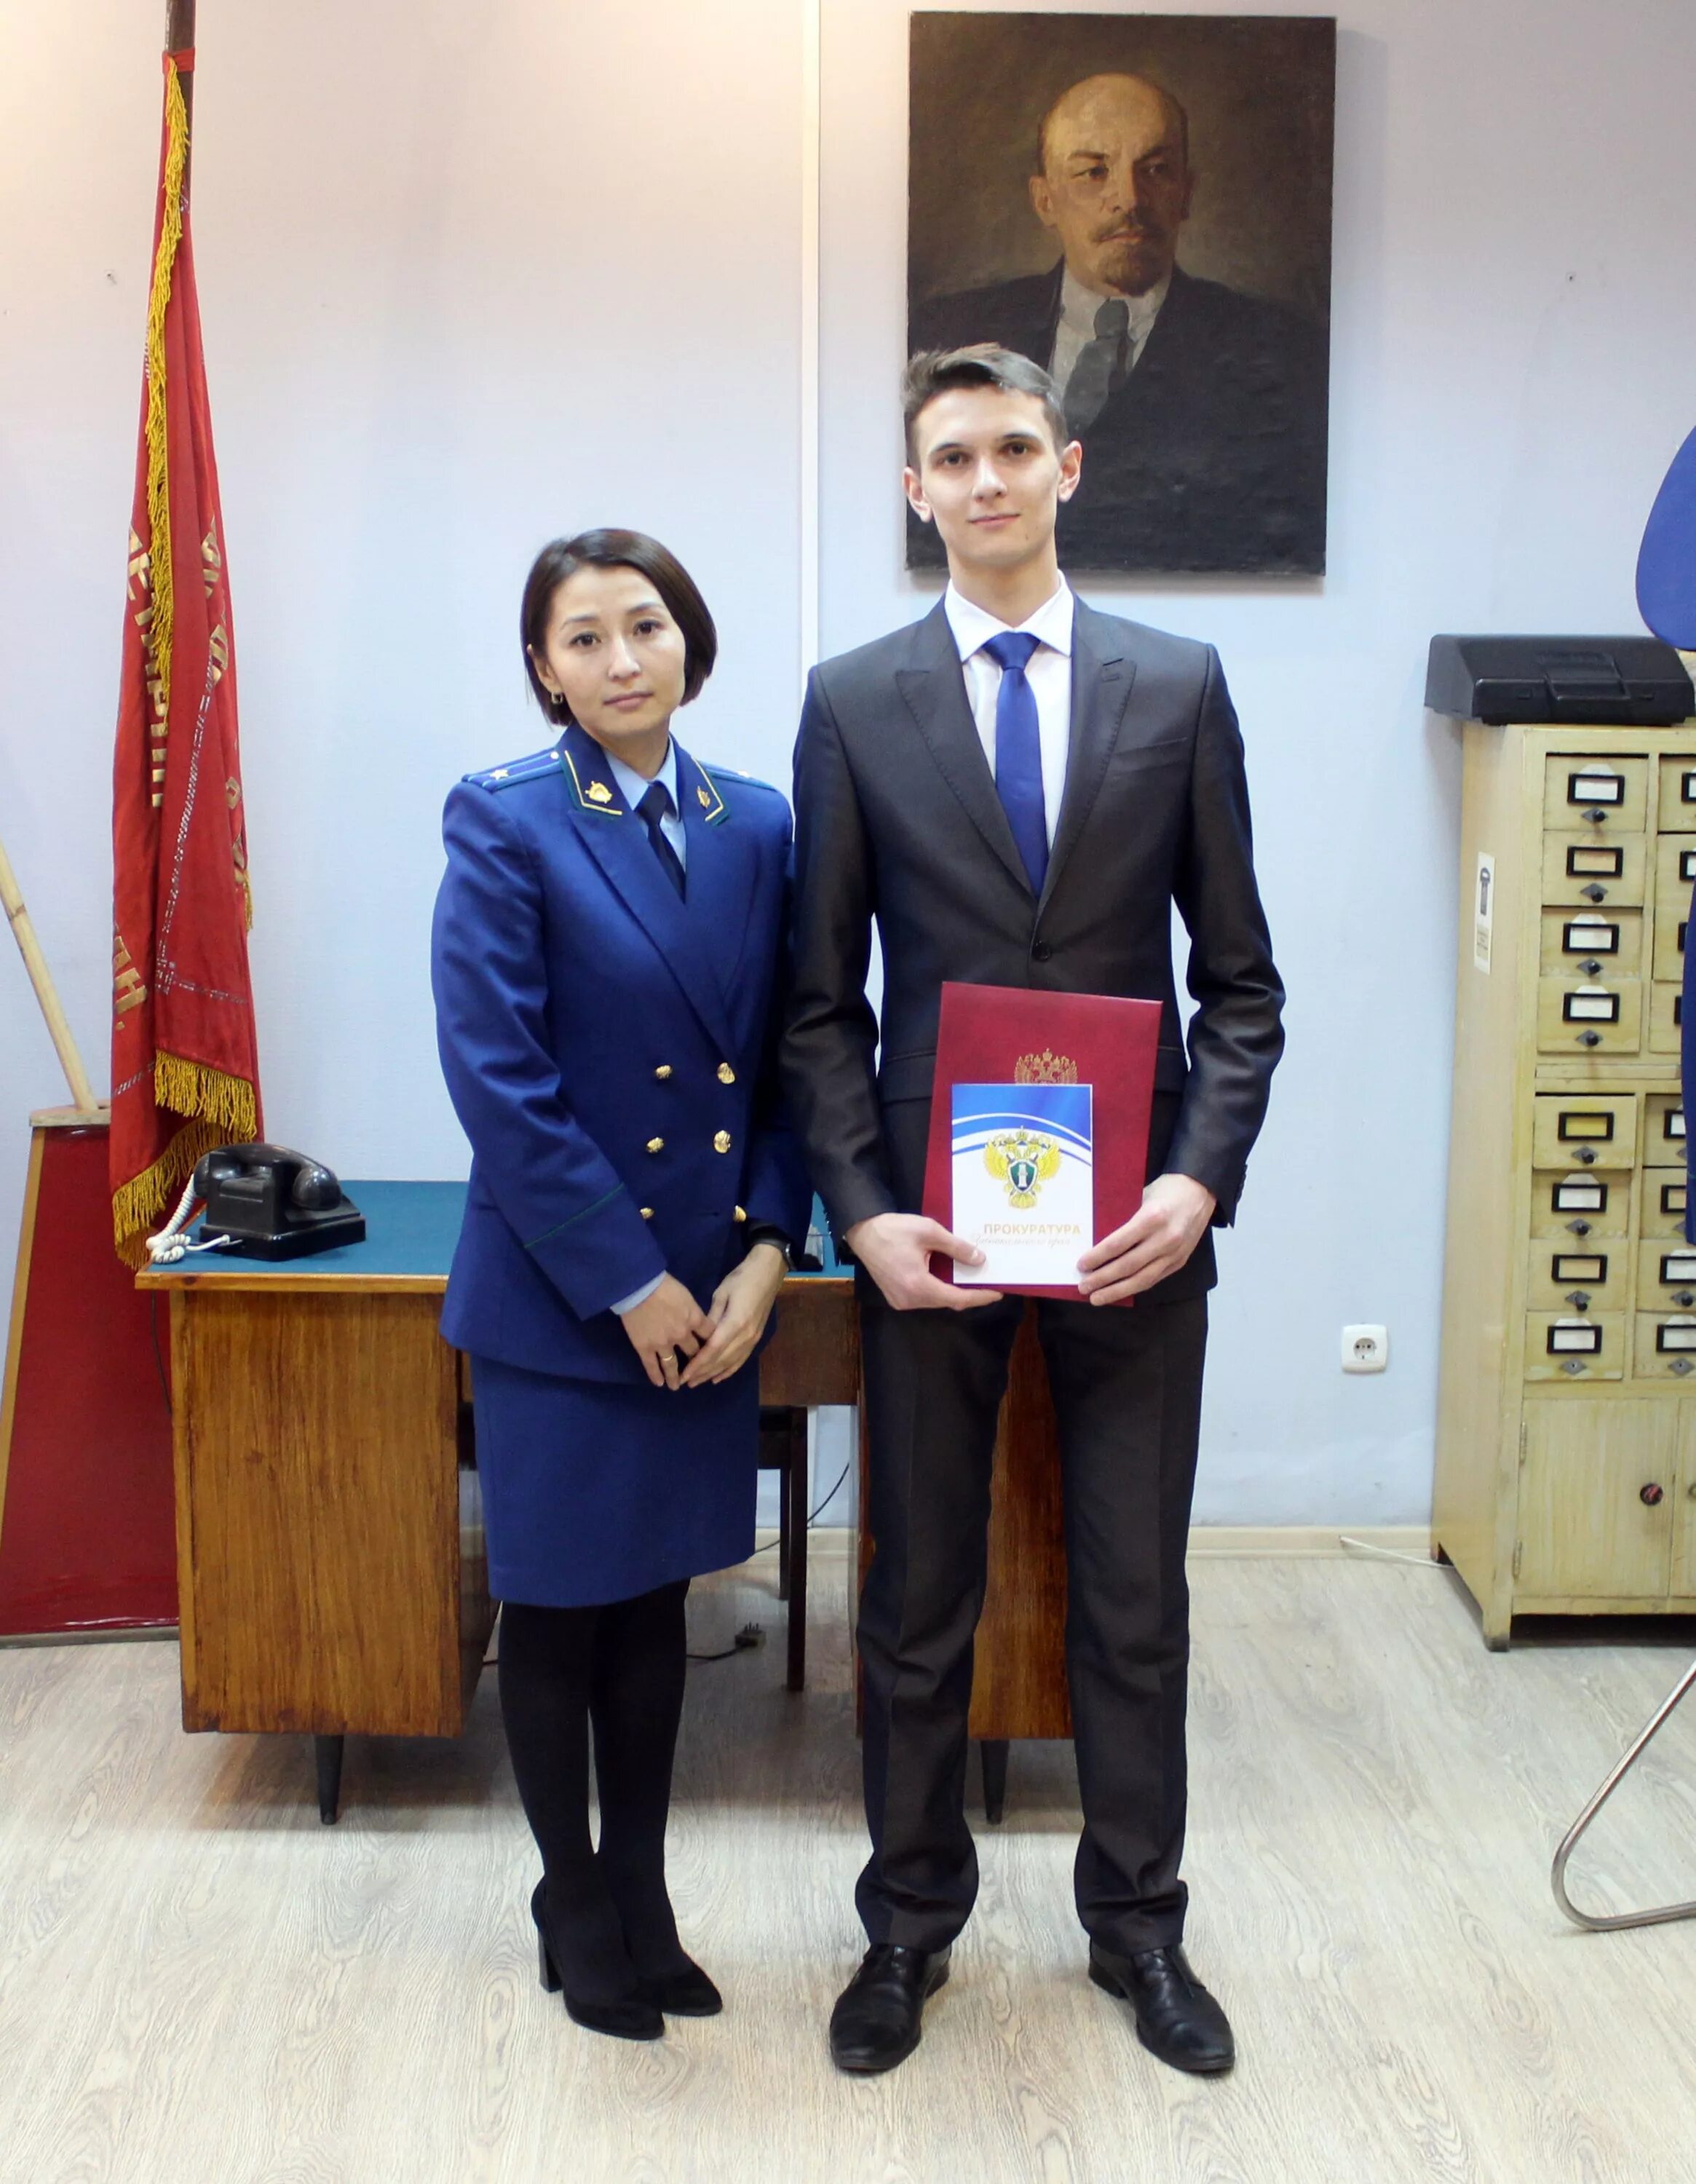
[(595, 1491)]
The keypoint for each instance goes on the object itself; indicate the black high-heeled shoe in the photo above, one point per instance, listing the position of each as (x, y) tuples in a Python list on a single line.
[(688, 1992), (638, 2018)]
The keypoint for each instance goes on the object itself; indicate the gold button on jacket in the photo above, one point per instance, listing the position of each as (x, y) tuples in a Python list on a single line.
[(656, 1144), (727, 1074), (721, 1141), (663, 1070)]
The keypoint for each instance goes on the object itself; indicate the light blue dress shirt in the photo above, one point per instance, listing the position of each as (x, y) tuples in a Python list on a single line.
[(634, 786)]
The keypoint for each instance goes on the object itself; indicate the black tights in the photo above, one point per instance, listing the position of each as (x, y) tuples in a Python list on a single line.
[(619, 1668)]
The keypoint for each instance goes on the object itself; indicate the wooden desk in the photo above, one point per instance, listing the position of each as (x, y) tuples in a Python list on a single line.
[(331, 1574)]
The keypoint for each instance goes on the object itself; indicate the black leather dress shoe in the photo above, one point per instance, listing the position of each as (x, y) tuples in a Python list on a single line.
[(875, 2023), (686, 1993), (1177, 2020)]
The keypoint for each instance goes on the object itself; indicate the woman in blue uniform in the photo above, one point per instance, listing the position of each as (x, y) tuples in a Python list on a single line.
[(606, 947)]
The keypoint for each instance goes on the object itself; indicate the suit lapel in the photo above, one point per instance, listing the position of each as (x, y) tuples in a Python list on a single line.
[(617, 839), (1102, 677), (723, 868), (934, 690)]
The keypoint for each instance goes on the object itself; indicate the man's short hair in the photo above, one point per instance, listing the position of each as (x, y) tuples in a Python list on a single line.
[(934, 371)]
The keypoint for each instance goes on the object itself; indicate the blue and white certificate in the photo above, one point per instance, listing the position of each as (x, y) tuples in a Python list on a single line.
[(1024, 1183)]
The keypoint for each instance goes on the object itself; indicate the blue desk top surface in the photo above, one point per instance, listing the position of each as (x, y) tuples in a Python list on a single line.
[(410, 1231)]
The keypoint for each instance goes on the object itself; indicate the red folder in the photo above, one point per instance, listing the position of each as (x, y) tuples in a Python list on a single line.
[(1010, 1034)]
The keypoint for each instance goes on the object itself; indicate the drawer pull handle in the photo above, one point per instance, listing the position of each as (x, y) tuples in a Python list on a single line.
[(1573, 1365), (1579, 1227), (1579, 1299), (1681, 1366), (1596, 814), (1590, 967), (1589, 1038), (1684, 1298), (1593, 893), (1650, 1495), (1587, 1155)]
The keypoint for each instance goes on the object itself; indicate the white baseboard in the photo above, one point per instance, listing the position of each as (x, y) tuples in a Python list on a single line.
[(1216, 1539)]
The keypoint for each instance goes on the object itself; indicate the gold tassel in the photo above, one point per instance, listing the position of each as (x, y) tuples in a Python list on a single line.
[(158, 476)]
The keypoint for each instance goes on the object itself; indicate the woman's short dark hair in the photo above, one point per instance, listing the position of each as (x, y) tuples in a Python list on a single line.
[(614, 550)]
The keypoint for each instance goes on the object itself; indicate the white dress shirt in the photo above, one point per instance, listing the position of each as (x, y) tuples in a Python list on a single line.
[(1076, 327), (633, 786), (1049, 675)]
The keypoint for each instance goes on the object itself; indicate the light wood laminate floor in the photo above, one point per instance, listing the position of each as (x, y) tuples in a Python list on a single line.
[(200, 1985)]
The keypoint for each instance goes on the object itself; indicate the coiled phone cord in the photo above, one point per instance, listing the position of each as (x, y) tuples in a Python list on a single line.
[(165, 1249)]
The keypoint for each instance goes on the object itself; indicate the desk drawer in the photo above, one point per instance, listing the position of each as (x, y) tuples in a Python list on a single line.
[(1570, 1206), (1578, 869), (1669, 945), (1564, 1345), (1665, 1346), (1580, 1017), (1667, 1275), (1664, 1192), (1584, 1278), (1665, 1017), (1602, 797), (1593, 943), (1663, 1130), (1580, 1129), (1677, 796)]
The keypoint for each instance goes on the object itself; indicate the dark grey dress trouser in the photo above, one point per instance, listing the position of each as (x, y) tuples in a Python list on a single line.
[(1127, 1395)]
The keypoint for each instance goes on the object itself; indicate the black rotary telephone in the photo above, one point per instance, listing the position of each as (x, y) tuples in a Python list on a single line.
[(266, 1202)]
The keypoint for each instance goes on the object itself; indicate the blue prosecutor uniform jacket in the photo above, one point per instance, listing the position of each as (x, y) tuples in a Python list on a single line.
[(607, 1050)]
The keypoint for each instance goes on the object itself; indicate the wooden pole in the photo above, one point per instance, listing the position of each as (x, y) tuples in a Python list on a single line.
[(81, 1091), (179, 38)]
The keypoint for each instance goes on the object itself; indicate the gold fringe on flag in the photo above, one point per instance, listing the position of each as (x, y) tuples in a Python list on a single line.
[(139, 1205), (158, 476), (189, 1088)]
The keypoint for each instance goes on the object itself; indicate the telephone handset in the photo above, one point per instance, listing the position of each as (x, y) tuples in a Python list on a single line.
[(263, 1201), (275, 1204)]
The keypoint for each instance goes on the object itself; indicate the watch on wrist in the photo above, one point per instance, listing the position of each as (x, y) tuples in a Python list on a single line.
[(766, 1232)]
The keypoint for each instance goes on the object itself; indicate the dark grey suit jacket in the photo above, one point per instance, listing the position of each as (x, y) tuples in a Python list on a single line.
[(896, 818)]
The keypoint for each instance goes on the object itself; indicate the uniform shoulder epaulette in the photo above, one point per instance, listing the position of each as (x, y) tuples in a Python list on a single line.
[(737, 778), (516, 770)]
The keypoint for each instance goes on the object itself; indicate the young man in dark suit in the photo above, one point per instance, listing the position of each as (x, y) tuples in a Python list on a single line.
[(1018, 789), (1201, 409)]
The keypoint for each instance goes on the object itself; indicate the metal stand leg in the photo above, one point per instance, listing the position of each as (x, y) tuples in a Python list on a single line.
[(795, 1491), (993, 1752), (1596, 1921), (327, 1751)]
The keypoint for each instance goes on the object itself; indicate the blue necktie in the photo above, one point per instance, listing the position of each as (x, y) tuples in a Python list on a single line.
[(1019, 752), (655, 806)]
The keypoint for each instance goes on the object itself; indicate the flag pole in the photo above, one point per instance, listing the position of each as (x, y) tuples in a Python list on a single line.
[(59, 1029)]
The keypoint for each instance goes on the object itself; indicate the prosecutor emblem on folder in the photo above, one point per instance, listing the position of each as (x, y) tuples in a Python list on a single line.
[(1023, 1188)]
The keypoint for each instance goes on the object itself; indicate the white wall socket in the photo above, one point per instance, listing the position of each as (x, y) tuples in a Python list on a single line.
[(1365, 1349)]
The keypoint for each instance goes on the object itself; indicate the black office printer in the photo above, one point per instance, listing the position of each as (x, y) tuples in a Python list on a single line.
[(1636, 682)]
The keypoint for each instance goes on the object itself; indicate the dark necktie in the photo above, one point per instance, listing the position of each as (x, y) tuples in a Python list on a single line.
[(655, 806), (1019, 752), (1101, 366)]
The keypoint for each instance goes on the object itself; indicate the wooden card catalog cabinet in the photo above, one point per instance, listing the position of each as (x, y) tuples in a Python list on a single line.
[(1566, 1435)]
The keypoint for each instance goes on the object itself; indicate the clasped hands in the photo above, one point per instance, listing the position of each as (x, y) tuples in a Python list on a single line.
[(714, 1343), (895, 1249)]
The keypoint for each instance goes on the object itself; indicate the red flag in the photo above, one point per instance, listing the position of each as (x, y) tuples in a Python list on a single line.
[(185, 1060)]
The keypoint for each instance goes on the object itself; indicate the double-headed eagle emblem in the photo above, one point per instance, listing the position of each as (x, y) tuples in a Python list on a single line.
[(1024, 1162)]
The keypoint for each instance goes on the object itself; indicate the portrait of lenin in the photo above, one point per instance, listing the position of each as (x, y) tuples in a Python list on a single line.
[(1141, 204)]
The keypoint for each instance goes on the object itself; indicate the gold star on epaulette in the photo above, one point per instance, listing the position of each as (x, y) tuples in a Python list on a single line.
[(598, 793)]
